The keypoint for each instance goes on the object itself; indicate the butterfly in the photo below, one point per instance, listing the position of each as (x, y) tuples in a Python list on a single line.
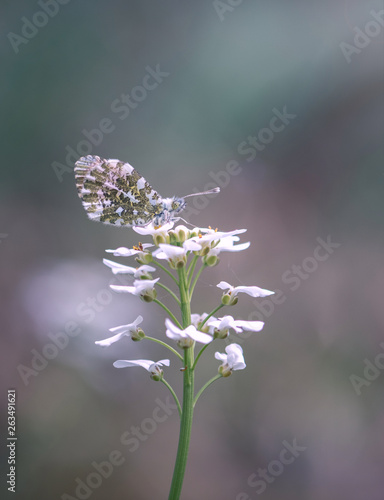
[(113, 192)]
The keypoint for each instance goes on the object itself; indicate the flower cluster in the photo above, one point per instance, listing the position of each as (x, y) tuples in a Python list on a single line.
[(183, 254), (182, 248)]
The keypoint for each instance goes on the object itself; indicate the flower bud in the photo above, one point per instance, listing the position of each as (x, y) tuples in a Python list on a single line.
[(220, 334), (194, 232), (228, 299), (149, 295), (173, 238), (180, 264), (160, 238), (225, 370), (144, 258), (177, 262), (138, 335), (156, 372), (204, 251), (185, 343), (182, 233), (211, 260)]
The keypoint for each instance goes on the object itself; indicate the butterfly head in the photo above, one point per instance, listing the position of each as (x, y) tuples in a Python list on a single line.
[(170, 209), (177, 205)]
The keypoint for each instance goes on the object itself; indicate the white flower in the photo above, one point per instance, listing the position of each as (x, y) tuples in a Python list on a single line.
[(160, 234), (214, 235), (233, 360), (142, 288), (128, 252), (137, 272), (174, 253), (186, 337), (253, 291), (154, 368), (153, 230), (222, 325), (226, 244), (197, 319), (130, 330)]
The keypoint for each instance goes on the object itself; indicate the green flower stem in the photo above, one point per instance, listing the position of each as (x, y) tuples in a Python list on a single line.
[(185, 427), (164, 344), (164, 287), (216, 377), (173, 394), (200, 353), (188, 394), (185, 297), (175, 320), (165, 270), (196, 278), (211, 314), (191, 269)]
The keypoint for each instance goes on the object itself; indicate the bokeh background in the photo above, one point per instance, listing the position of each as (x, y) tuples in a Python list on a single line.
[(227, 67)]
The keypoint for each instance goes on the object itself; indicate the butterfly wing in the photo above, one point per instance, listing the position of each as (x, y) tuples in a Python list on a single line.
[(113, 192)]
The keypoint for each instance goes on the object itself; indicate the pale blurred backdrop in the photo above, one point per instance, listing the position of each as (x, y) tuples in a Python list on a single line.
[(224, 71)]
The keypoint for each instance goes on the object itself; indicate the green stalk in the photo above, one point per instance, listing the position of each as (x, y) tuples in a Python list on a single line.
[(173, 394), (191, 269), (188, 394), (196, 278), (171, 293), (211, 314), (216, 377), (168, 311), (165, 345), (156, 263), (200, 353)]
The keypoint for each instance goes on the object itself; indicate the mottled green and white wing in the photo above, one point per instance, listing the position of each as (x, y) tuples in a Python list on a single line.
[(113, 192)]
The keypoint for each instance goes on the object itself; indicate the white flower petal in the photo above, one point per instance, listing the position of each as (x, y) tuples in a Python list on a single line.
[(139, 287), (212, 235), (224, 324), (175, 333), (226, 245), (111, 340), (131, 327), (164, 362), (119, 268), (220, 356), (125, 363), (253, 291), (144, 363), (201, 337), (191, 245), (224, 285), (166, 251), (123, 289), (128, 252), (250, 326), (151, 230)]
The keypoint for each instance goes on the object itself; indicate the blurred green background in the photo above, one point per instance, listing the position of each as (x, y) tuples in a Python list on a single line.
[(227, 68)]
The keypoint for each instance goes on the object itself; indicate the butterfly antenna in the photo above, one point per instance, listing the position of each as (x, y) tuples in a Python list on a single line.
[(211, 191), (188, 223)]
